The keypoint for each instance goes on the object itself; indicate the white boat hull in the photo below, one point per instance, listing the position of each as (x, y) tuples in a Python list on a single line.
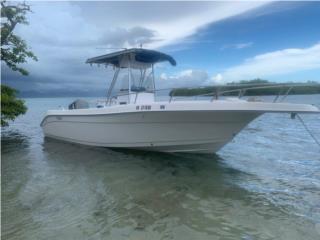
[(167, 132), (177, 128)]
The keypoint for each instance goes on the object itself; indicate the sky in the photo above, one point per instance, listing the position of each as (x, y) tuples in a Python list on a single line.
[(212, 42)]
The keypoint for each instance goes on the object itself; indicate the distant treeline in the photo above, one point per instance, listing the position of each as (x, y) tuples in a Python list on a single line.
[(305, 88)]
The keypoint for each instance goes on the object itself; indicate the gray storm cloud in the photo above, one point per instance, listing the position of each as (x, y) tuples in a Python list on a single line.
[(64, 34)]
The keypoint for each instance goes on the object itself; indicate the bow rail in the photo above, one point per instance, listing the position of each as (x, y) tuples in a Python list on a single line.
[(238, 90)]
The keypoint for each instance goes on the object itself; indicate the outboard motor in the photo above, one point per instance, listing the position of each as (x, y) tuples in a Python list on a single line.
[(79, 104)]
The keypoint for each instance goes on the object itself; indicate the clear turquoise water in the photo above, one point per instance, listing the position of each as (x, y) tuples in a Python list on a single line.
[(265, 184)]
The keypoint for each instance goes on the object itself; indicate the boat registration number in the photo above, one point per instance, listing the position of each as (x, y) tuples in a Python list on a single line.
[(143, 107), (148, 107)]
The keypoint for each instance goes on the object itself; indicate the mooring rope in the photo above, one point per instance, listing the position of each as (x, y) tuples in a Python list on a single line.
[(308, 130)]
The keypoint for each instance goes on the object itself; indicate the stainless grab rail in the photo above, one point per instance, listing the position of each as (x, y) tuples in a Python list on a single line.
[(243, 88)]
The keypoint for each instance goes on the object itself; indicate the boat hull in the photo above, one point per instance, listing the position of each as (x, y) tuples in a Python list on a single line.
[(165, 131)]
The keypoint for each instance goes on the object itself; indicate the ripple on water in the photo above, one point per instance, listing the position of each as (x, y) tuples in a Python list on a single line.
[(263, 185)]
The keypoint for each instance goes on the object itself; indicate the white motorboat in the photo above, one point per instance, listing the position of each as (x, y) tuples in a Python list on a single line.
[(133, 118)]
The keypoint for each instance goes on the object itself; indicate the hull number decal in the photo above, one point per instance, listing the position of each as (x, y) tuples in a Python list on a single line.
[(143, 107), (148, 107)]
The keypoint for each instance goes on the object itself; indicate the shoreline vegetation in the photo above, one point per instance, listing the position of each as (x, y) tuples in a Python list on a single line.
[(14, 51), (309, 87), (301, 88)]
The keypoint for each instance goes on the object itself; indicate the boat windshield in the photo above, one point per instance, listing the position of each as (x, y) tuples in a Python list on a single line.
[(140, 80), (134, 71)]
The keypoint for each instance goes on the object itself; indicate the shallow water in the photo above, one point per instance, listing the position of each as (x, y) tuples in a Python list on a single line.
[(265, 184)]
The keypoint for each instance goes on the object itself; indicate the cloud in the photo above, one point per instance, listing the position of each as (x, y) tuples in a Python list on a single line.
[(237, 45), (64, 34), (121, 37), (217, 79), (186, 78), (188, 24), (284, 61), (170, 21)]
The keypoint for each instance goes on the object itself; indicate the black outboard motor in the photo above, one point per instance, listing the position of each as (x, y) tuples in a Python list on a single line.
[(79, 104)]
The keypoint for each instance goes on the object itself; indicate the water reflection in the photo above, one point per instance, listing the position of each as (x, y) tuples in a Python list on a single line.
[(142, 191), (15, 173), (11, 139), (255, 188)]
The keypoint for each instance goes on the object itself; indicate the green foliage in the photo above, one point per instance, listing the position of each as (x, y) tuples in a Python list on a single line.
[(303, 89), (11, 107), (254, 81), (14, 50)]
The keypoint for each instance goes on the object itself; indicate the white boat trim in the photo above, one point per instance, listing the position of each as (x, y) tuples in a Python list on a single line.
[(134, 119)]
